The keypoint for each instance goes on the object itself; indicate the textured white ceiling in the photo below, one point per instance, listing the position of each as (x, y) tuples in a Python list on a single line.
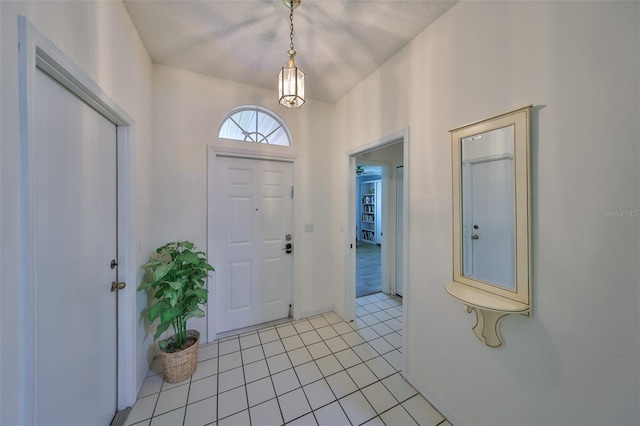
[(339, 42)]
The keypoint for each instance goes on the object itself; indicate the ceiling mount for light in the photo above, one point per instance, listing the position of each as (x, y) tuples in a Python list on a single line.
[(291, 79), (287, 3)]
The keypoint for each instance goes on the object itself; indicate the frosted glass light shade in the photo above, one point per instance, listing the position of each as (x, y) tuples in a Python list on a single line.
[(291, 85)]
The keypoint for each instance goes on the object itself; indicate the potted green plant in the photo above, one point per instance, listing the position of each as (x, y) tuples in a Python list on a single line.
[(177, 277)]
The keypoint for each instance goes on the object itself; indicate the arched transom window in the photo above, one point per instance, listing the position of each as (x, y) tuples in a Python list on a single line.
[(254, 124)]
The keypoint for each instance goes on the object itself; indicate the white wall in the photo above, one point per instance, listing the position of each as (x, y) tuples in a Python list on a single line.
[(576, 361), (101, 39), (188, 109)]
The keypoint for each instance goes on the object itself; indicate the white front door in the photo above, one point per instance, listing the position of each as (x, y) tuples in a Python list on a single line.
[(252, 219), (75, 216), (489, 232)]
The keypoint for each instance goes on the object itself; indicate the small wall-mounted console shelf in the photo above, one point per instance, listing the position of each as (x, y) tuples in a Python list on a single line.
[(490, 310)]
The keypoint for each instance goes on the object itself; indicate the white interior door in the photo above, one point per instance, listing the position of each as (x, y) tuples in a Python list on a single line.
[(75, 241), (399, 227), (253, 215), (490, 230)]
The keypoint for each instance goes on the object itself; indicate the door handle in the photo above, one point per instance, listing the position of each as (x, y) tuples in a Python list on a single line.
[(118, 286), (474, 237), (288, 248)]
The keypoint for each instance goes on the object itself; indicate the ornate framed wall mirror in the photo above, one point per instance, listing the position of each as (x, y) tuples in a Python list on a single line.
[(491, 220)]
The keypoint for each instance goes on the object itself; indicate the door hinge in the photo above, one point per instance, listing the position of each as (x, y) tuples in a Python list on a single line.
[(292, 192)]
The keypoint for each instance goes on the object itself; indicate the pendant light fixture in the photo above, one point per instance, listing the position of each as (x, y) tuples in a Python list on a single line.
[(291, 79)]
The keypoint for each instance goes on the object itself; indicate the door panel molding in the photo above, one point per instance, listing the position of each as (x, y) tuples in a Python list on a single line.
[(37, 51)]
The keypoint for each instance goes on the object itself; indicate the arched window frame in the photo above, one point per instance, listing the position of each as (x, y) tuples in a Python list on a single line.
[(262, 139)]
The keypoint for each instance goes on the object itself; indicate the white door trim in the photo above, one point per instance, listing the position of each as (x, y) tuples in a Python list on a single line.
[(394, 288), (37, 51), (257, 152), (350, 271)]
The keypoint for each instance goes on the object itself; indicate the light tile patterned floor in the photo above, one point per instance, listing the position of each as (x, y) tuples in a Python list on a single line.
[(317, 371)]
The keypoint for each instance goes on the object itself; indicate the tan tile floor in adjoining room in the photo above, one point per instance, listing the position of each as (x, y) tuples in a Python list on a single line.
[(317, 371)]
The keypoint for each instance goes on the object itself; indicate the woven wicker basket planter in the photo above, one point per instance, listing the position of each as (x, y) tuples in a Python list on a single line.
[(179, 366)]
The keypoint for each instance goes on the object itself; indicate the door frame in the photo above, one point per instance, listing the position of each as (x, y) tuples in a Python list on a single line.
[(37, 51), (250, 151), (350, 261), (394, 287)]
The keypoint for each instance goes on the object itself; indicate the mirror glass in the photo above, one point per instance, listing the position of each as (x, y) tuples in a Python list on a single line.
[(488, 207)]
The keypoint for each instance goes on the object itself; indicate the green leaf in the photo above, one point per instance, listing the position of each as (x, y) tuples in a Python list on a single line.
[(162, 327), (162, 270), (173, 299), (176, 285), (156, 309), (190, 257), (168, 315), (201, 293), (198, 313)]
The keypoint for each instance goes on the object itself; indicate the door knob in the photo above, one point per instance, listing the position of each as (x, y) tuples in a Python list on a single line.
[(288, 248), (118, 286), (474, 237)]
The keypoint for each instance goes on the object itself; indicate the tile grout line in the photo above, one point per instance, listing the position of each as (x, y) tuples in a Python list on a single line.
[(244, 379), (186, 403), (298, 378), (275, 392), (329, 385)]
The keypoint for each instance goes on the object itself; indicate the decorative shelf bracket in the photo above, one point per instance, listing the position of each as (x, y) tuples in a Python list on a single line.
[(487, 327)]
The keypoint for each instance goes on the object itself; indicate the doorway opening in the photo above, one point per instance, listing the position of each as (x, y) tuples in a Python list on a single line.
[(391, 156), (369, 201)]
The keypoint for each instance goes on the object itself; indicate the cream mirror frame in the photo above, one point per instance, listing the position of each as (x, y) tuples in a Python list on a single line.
[(491, 220)]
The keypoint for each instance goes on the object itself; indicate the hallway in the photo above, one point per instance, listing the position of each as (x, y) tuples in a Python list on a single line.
[(316, 371)]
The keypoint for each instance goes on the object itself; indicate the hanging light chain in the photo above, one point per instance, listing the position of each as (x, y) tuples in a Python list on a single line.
[(291, 25)]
